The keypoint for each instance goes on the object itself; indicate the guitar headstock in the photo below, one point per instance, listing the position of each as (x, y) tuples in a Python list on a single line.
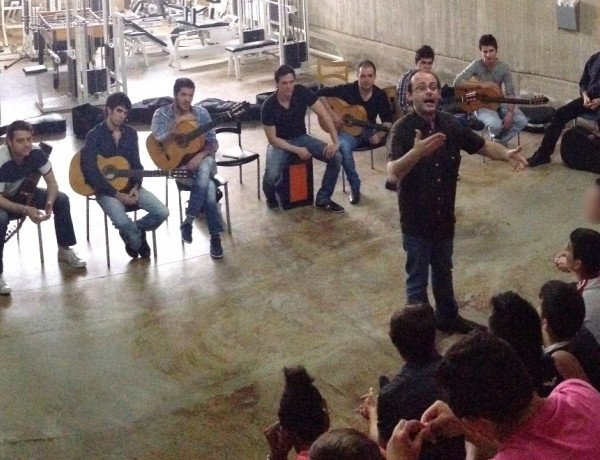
[(238, 109), (539, 100)]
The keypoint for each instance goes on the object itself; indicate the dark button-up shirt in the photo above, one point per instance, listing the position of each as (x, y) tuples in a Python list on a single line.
[(590, 78), (427, 193)]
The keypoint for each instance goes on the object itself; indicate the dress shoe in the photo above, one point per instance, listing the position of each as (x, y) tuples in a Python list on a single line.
[(128, 249), (354, 196), (332, 206), (144, 249), (538, 159), (459, 325), (391, 187)]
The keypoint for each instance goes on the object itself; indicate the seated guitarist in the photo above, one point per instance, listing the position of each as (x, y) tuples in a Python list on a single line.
[(203, 196), (113, 138), (365, 93), (490, 72), (18, 159)]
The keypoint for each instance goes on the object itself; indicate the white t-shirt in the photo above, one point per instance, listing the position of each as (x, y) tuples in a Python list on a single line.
[(590, 291)]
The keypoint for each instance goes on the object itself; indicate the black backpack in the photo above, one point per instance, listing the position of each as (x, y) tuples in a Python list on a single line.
[(580, 149)]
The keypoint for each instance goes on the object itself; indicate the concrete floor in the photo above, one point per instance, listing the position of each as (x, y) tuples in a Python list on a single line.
[(181, 357)]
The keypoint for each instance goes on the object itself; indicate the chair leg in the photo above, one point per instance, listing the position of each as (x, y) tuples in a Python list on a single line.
[(241, 182), (154, 243), (227, 208), (106, 241), (258, 178), (39, 230), (372, 161), (343, 181), (87, 218), (167, 192), (180, 208)]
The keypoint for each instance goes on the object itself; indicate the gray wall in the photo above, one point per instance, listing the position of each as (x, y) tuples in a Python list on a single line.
[(545, 59)]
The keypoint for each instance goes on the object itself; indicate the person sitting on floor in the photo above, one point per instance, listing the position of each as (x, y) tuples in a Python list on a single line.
[(364, 93), (491, 397), (582, 256), (413, 390), (18, 159), (282, 116), (345, 444), (303, 416), (112, 138), (562, 311), (515, 320)]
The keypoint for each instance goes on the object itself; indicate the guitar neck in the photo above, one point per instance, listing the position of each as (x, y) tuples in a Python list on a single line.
[(366, 124), (139, 173), (200, 130), (506, 100)]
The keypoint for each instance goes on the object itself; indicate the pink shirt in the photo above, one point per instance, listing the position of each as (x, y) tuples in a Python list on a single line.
[(302, 455), (565, 427)]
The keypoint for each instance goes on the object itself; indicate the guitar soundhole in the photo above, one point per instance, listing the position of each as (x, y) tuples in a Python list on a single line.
[(181, 141)]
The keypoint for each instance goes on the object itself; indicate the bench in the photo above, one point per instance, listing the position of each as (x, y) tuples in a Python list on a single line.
[(243, 49)]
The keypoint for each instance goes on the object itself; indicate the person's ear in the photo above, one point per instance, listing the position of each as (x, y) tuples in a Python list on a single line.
[(545, 326), (576, 265)]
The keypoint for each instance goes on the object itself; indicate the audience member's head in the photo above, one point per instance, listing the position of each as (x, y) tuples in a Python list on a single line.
[(487, 40), (412, 331), (583, 253), (345, 444), (303, 412), (424, 58), (516, 321), (562, 310), (118, 99), (183, 82), (283, 71), (486, 382), (18, 125), (591, 203)]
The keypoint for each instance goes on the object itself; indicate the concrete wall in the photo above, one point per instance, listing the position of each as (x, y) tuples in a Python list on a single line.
[(545, 59)]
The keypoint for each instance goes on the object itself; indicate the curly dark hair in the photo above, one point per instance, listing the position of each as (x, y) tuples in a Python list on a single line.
[(345, 444)]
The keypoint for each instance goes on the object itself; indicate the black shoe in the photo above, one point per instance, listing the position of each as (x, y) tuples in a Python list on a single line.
[(354, 196), (216, 250), (272, 203), (475, 124), (186, 233), (128, 249), (459, 325), (538, 159), (332, 206), (144, 249), (390, 186), (219, 194)]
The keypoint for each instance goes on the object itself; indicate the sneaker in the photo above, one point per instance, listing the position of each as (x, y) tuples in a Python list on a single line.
[(332, 206), (391, 187), (128, 249), (272, 203), (144, 249), (69, 256), (5, 289), (538, 159), (475, 124), (459, 325), (216, 250), (186, 233)]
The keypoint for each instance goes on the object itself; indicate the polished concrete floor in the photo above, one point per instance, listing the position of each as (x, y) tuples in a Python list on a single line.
[(181, 356)]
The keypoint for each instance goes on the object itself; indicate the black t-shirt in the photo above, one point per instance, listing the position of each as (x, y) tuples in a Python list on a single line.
[(377, 105), (289, 123), (427, 193), (407, 396)]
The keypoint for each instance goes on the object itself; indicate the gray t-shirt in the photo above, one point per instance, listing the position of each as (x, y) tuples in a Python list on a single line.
[(499, 74)]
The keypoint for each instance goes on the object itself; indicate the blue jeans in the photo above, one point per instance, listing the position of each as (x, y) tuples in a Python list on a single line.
[(203, 196), (420, 255), (347, 145), (277, 160), (116, 211), (492, 119), (63, 224)]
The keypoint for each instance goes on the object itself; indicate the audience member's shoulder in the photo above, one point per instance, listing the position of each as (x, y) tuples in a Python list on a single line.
[(577, 388)]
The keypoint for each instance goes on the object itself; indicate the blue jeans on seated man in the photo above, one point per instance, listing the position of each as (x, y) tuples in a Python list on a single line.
[(347, 145), (492, 119), (203, 197), (116, 211), (277, 160), (420, 255), (63, 224)]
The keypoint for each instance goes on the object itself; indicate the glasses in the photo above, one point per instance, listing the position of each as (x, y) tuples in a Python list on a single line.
[(424, 87)]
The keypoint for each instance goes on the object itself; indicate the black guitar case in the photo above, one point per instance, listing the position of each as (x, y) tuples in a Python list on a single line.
[(85, 117), (580, 149), (50, 123), (143, 111)]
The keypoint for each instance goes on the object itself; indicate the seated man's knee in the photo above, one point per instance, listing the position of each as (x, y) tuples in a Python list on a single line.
[(62, 201)]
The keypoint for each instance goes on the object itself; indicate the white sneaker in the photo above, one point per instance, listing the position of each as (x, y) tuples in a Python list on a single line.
[(5, 289), (70, 257)]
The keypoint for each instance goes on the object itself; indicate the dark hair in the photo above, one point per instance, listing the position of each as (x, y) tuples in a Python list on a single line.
[(282, 71), (118, 99), (515, 320), (488, 40), (412, 331), (345, 444), (597, 181), (181, 83), (425, 52), (302, 409), (367, 63), (483, 377), (409, 87), (17, 125), (563, 308), (585, 245)]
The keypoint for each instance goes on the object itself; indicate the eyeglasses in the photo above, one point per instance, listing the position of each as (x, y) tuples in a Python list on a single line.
[(424, 87)]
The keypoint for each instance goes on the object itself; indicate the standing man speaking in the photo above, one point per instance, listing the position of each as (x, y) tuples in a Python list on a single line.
[(424, 158)]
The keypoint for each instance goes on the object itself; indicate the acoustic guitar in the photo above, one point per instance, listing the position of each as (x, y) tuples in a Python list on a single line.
[(354, 117), (188, 139), (25, 194), (116, 170), (471, 99)]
